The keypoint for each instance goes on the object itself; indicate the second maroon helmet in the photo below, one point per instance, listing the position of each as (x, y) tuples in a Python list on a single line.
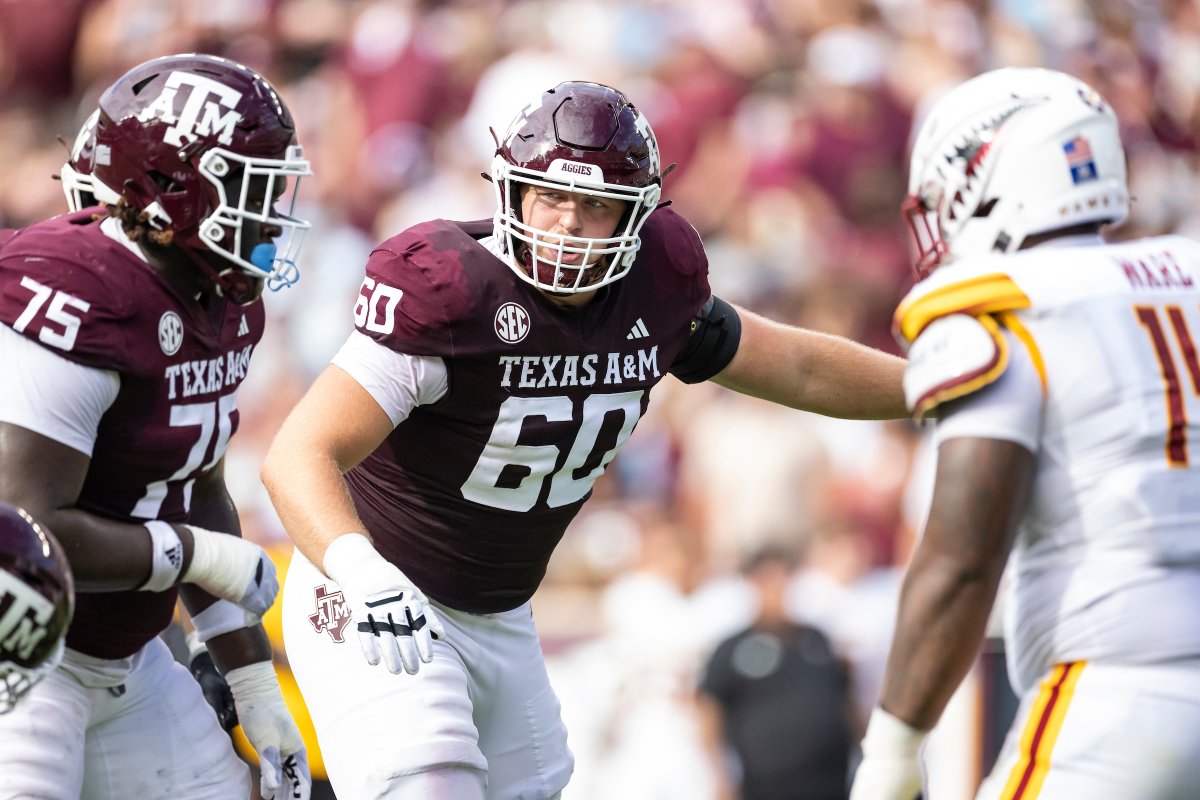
[(38, 599), (580, 137), (202, 145)]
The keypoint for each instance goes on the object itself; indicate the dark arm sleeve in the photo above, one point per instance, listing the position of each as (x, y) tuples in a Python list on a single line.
[(714, 338)]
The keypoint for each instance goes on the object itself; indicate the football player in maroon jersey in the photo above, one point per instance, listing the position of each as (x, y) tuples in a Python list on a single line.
[(131, 331), (80, 191), (495, 370)]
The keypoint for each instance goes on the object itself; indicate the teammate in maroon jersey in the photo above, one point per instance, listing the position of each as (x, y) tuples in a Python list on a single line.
[(495, 371), (131, 332), (80, 191)]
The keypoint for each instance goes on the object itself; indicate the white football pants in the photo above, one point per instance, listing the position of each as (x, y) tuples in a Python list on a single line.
[(77, 734), (1100, 731), (484, 703)]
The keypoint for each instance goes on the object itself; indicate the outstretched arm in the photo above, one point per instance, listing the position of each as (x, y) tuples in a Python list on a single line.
[(814, 371), (45, 477)]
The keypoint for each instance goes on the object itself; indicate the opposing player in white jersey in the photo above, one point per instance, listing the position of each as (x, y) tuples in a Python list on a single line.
[(1067, 381)]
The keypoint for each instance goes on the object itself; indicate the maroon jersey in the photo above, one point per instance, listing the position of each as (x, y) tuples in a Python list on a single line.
[(470, 494), (84, 296)]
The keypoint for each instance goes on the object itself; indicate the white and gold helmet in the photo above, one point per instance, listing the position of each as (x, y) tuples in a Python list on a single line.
[(1008, 154)]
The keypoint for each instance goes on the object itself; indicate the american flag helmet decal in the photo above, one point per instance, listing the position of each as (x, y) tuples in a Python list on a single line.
[(1079, 160)]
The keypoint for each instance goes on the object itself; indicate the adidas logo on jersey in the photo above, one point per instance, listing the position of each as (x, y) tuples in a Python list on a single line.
[(638, 331), (243, 328)]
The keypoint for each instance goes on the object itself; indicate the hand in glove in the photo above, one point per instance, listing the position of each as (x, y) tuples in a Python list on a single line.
[(395, 622), (216, 690), (271, 731), (891, 767)]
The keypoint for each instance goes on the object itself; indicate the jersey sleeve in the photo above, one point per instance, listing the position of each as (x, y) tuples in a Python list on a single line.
[(74, 306), (673, 251), (35, 402), (954, 356), (951, 327), (397, 381), (1009, 408), (415, 292)]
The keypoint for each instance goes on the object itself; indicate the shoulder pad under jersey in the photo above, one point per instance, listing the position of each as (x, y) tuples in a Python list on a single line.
[(65, 294), (952, 357), (673, 249), (421, 285), (477, 228), (977, 287)]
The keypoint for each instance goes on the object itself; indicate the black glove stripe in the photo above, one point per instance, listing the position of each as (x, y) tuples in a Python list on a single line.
[(374, 626), (291, 772), (385, 600)]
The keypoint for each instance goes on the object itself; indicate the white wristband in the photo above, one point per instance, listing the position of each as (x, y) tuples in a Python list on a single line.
[(194, 646), (217, 561), (890, 735), (253, 680), (167, 558), (221, 617)]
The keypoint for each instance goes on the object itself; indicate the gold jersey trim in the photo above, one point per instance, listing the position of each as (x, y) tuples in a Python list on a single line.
[(982, 294)]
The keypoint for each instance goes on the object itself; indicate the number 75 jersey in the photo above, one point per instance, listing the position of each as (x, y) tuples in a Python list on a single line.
[(81, 291), (77, 289), (470, 493), (1111, 537)]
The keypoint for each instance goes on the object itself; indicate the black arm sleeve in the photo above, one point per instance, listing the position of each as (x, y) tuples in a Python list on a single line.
[(716, 333)]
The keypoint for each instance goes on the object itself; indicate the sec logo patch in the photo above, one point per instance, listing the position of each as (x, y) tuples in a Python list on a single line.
[(512, 323), (170, 333)]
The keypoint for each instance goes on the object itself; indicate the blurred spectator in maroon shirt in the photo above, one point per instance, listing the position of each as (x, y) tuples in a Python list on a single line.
[(37, 47)]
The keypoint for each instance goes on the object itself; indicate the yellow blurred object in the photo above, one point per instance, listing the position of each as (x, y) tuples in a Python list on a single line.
[(281, 556)]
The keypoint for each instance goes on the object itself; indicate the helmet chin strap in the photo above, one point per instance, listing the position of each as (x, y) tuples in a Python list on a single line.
[(530, 262), (240, 287)]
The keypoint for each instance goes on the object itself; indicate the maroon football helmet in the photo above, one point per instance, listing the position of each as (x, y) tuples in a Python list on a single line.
[(579, 137), (37, 599), (204, 145)]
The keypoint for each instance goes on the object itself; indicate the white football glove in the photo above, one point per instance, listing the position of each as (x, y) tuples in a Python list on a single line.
[(394, 620), (232, 569), (891, 766), (271, 731)]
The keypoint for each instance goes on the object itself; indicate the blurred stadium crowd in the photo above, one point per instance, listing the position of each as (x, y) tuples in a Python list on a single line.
[(789, 122)]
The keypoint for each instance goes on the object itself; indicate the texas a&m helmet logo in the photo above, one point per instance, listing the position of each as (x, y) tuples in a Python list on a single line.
[(208, 110), (332, 613), (26, 617)]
